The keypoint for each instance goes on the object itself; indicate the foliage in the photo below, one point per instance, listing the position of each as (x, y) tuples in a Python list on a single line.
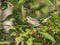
[(21, 33)]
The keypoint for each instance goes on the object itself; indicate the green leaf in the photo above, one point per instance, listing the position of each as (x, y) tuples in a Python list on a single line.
[(21, 1), (36, 43), (13, 34), (29, 42), (55, 15), (6, 42), (47, 36), (44, 28), (12, 27)]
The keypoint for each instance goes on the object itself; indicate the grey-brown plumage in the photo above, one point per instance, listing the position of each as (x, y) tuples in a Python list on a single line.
[(8, 24), (6, 12), (3, 15), (34, 22)]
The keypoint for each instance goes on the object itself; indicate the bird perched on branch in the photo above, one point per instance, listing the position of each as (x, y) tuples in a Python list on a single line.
[(34, 22)]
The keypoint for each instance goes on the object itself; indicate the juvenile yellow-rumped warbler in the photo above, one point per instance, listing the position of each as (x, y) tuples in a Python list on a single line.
[(34, 22)]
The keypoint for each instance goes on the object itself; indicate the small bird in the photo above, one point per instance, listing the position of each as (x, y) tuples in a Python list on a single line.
[(6, 12), (35, 22), (32, 21), (8, 24)]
